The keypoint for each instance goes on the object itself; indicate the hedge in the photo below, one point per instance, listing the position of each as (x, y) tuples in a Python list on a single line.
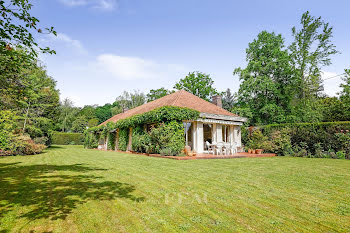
[(315, 137), (60, 138)]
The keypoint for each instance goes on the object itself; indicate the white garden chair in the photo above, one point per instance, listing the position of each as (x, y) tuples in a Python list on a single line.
[(210, 148)]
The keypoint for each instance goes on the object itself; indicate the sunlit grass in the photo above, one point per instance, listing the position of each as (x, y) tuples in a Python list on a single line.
[(70, 189)]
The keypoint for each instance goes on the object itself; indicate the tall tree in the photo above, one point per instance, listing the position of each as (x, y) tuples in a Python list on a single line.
[(39, 97), (157, 93), (79, 124), (228, 100), (345, 92), (67, 115), (129, 100), (104, 112), (310, 51), (266, 82), (199, 84), (18, 47)]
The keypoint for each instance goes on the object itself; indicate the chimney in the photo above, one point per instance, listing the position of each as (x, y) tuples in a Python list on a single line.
[(216, 99)]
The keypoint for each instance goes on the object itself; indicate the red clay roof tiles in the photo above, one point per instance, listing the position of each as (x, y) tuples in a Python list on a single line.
[(180, 98)]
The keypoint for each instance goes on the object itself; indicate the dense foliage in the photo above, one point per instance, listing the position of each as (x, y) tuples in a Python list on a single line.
[(60, 138), (325, 139), (26, 91), (283, 84), (199, 84), (123, 139)]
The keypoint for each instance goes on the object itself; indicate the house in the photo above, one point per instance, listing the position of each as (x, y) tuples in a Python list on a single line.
[(214, 124)]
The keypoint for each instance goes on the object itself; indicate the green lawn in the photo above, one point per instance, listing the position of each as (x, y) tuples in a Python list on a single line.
[(71, 189)]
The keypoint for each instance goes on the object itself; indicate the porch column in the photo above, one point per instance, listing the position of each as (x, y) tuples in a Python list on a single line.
[(214, 138), (200, 137), (116, 140), (129, 148), (231, 136), (237, 135), (194, 136), (106, 142), (219, 133)]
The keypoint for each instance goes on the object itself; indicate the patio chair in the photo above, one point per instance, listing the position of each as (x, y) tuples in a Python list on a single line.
[(210, 148), (220, 148), (233, 148)]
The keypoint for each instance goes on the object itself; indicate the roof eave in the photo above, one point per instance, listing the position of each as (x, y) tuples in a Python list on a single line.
[(222, 117)]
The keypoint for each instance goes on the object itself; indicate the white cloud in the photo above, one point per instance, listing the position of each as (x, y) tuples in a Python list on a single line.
[(132, 68), (98, 4), (68, 42), (331, 86)]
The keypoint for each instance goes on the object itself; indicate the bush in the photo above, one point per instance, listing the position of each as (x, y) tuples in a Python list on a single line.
[(258, 141), (340, 155), (320, 140), (41, 140), (344, 142), (90, 140), (31, 148), (281, 142), (59, 138), (26, 146), (168, 138)]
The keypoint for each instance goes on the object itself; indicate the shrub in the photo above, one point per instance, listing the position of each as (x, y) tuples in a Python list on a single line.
[(8, 137), (26, 146), (320, 140), (168, 136), (340, 155), (41, 140), (258, 141), (90, 140), (60, 138), (31, 148), (344, 142), (281, 142)]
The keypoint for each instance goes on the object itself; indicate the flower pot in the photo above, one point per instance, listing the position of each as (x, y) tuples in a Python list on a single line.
[(259, 151), (250, 151)]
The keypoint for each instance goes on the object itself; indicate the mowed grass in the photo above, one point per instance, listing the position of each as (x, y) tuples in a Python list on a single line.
[(71, 189)]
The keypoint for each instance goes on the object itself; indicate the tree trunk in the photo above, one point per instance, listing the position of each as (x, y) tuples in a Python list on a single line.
[(26, 117)]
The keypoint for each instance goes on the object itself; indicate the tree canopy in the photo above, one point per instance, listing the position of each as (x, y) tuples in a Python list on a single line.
[(199, 84)]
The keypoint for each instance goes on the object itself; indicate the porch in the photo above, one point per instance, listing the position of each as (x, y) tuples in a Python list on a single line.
[(213, 136)]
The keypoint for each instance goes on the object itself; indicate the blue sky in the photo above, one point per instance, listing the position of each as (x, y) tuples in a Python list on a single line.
[(107, 46)]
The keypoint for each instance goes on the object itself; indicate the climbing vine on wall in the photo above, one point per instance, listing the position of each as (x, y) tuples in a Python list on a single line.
[(160, 115), (123, 139)]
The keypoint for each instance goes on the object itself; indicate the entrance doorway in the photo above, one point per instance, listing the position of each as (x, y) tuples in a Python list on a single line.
[(207, 134)]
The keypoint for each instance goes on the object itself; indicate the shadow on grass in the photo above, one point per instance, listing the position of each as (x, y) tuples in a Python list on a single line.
[(53, 191), (55, 147)]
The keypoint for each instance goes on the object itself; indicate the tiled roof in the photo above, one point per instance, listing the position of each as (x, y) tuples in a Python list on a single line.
[(179, 99)]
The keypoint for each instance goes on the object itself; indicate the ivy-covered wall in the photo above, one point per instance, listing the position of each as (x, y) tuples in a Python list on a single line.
[(167, 138), (111, 141), (123, 139)]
